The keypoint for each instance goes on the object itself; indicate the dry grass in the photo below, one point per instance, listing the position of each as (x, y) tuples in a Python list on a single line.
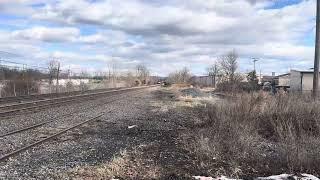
[(197, 101), (180, 85), (259, 134), (127, 165)]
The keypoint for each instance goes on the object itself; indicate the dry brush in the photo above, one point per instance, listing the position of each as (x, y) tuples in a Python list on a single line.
[(259, 134)]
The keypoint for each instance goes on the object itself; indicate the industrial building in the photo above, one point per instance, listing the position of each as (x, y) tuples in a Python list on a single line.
[(283, 80), (295, 81), (301, 80)]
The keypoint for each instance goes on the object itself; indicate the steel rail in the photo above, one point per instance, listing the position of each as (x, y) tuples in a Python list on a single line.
[(66, 99), (15, 152), (25, 129), (9, 99), (49, 121)]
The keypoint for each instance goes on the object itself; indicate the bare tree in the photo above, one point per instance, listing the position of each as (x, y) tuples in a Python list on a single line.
[(142, 73), (54, 70), (213, 72), (229, 65), (83, 75), (109, 71), (69, 86), (185, 75), (57, 78), (181, 76), (112, 73), (130, 79)]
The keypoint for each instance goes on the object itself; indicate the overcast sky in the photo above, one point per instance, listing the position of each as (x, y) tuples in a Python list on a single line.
[(164, 35)]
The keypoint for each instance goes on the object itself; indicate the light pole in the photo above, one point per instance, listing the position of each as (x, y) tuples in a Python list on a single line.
[(316, 55)]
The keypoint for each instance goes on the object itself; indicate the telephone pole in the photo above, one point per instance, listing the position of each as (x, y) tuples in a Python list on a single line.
[(316, 56), (2, 77), (58, 72), (254, 63)]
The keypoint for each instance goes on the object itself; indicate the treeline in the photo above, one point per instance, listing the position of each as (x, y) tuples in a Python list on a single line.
[(15, 82), (18, 82), (223, 74)]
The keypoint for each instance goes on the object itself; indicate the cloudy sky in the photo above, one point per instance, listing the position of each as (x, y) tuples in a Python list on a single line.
[(164, 35)]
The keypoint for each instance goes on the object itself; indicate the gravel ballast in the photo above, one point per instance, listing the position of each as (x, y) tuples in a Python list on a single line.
[(27, 161)]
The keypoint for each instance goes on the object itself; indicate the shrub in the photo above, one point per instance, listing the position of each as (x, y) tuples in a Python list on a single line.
[(238, 87), (69, 86), (261, 134)]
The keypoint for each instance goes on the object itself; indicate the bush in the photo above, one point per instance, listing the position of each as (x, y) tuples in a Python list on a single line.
[(237, 87), (261, 135), (69, 86)]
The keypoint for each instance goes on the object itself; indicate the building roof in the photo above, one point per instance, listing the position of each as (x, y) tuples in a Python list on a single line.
[(303, 71), (281, 75)]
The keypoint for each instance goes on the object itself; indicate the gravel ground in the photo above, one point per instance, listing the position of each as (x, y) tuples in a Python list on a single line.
[(161, 123), (84, 111), (27, 119), (157, 131)]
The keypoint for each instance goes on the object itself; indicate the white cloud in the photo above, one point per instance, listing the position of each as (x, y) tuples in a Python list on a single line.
[(47, 34), (20, 1), (135, 17), (174, 32)]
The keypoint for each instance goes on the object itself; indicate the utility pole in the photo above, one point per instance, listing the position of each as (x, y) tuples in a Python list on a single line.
[(2, 76), (316, 56), (254, 63), (260, 77), (69, 73), (58, 71), (215, 74)]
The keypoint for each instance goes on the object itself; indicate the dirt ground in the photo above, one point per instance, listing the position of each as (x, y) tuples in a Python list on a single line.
[(138, 138)]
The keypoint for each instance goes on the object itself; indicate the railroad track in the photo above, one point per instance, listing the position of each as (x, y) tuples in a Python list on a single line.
[(52, 119), (32, 106), (22, 149), (19, 99), (54, 135)]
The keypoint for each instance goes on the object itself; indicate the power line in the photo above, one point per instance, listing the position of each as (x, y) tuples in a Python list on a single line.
[(23, 65)]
